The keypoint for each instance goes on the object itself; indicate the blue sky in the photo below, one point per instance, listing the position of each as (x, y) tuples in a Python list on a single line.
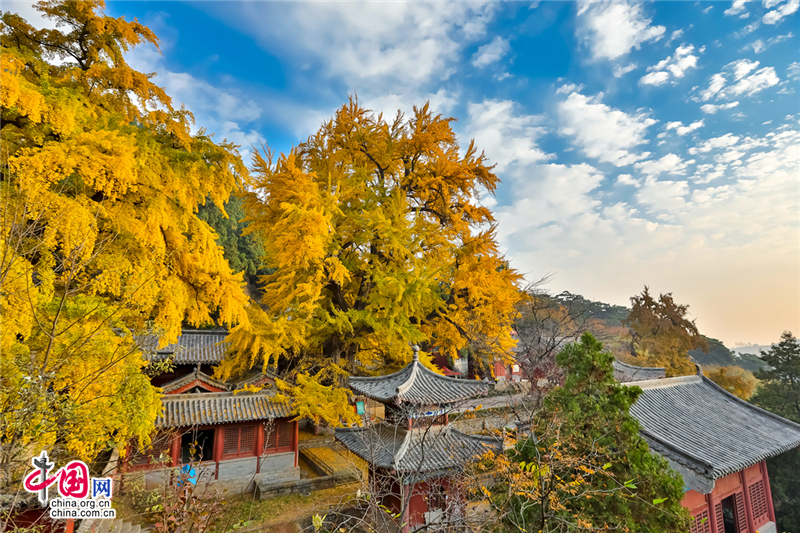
[(638, 143)]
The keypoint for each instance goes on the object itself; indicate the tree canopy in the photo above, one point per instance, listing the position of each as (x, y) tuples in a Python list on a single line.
[(661, 334), (584, 465), (779, 392), (101, 180), (377, 240)]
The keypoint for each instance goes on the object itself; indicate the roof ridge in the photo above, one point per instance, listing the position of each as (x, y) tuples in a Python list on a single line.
[(403, 387), (401, 451), (663, 383), (622, 363), (212, 395)]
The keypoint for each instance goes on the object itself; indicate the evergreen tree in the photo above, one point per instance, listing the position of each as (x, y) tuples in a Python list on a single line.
[(244, 253), (584, 465), (779, 392)]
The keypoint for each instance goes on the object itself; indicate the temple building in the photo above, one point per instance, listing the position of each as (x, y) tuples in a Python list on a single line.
[(415, 457), (719, 444), (236, 438)]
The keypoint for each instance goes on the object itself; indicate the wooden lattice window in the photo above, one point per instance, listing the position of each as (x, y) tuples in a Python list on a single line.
[(758, 500), (239, 441), (700, 523), (741, 517), (720, 518), (158, 453), (280, 437)]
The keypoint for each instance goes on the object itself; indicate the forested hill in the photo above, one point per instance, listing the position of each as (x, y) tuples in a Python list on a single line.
[(718, 354), (611, 316)]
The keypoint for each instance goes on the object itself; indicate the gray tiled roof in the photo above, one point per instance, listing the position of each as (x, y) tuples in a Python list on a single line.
[(188, 378), (256, 377), (185, 410), (193, 347), (706, 432), (416, 384), (625, 373), (416, 450)]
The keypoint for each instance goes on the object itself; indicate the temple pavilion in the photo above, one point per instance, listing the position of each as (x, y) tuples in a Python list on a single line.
[(719, 444), (236, 437), (415, 457)]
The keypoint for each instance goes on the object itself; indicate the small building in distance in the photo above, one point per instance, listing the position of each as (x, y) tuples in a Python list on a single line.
[(236, 438), (719, 444), (415, 457)]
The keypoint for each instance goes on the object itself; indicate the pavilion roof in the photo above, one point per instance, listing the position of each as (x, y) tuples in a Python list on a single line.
[(196, 375), (191, 409), (705, 432), (625, 373), (192, 348), (416, 384), (415, 451)]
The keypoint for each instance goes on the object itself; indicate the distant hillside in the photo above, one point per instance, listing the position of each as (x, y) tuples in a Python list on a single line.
[(718, 354), (751, 349), (611, 315)]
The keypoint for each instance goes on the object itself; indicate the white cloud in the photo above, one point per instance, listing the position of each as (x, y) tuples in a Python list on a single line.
[(760, 80), (750, 28), (714, 87), (395, 46), (491, 52), (669, 164), (507, 136), (777, 15), (550, 193), (568, 88), (627, 179), (707, 173), (711, 108), (654, 78), (724, 141), (742, 68), (620, 71), (675, 35), (663, 195), (602, 132), (682, 130), (736, 8), (793, 71), (613, 29), (676, 65), (442, 101), (746, 83), (760, 45)]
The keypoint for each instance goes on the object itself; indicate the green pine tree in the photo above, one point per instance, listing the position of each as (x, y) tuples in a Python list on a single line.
[(779, 392), (586, 467)]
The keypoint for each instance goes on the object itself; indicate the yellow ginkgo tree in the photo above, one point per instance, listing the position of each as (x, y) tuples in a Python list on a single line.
[(101, 182), (376, 238)]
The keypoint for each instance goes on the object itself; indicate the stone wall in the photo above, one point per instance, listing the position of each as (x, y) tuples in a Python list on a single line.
[(235, 475)]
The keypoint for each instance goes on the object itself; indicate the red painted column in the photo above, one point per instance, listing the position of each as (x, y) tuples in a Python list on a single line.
[(259, 446), (296, 439), (748, 508), (767, 490), (175, 449), (218, 446), (712, 515)]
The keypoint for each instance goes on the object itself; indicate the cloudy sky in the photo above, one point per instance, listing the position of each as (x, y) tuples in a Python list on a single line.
[(652, 143)]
